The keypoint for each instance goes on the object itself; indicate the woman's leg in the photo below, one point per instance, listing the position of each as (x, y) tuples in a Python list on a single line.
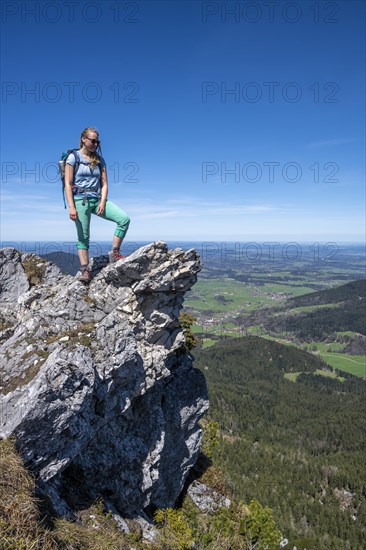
[(115, 214), (117, 241), (83, 230), (83, 256)]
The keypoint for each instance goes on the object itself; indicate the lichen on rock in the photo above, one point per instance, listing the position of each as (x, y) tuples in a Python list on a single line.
[(96, 385)]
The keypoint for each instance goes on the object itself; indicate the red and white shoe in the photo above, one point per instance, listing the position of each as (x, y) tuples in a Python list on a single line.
[(115, 255)]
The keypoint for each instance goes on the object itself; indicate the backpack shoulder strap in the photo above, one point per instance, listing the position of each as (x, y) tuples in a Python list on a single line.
[(77, 159), (63, 160)]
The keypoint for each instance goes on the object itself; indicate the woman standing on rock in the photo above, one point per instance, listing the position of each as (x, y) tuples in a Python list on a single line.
[(86, 193)]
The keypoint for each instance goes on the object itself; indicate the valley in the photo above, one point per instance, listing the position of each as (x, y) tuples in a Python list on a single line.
[(268, 299)]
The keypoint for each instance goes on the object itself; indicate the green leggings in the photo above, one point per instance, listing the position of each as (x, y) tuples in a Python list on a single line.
[(112, 212)]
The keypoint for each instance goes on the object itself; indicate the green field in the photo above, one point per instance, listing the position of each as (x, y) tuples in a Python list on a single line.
[(292, 376), (237, 295), (354, 364), (349, 333), (329, 374), (325, 347), (208, 342)]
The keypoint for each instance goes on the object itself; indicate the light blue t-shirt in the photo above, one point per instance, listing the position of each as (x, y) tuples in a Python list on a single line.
[(86, 178)]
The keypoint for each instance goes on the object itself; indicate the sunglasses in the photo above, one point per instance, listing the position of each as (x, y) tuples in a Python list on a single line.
[(94, 141)]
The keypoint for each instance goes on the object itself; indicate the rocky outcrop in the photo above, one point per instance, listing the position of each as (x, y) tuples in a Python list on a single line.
[(206, 499), (96, 384)]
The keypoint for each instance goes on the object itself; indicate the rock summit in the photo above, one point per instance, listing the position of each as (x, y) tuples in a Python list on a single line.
[(97, 386)]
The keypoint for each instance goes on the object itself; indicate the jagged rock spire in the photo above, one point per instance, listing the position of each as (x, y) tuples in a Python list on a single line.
[(96, 385)]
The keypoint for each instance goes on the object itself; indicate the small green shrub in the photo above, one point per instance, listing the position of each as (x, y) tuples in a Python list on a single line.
[(210, 437), (239, 527), (174, 531), (259, 528), (186, 321)]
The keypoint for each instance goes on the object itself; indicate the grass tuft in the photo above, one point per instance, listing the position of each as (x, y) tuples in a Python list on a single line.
[(19, 515), (23, 528), (35, 269)]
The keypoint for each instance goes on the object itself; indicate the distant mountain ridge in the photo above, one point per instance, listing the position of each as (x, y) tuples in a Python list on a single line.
[(346, 312), (349, 291), (68, 263)]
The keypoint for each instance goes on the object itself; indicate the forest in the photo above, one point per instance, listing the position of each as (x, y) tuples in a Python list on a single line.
[(295, 443)]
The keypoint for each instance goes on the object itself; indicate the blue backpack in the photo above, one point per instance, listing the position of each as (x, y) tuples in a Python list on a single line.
[(61, 167)]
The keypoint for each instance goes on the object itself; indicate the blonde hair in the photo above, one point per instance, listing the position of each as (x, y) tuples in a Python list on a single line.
[(95, 158)]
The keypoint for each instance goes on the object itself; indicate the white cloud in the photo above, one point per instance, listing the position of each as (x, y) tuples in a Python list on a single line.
[(186, 208), (40, 218), (330, 142)]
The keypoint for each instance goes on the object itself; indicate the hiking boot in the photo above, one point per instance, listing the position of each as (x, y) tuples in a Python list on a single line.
[(115, 255), (85, 274)]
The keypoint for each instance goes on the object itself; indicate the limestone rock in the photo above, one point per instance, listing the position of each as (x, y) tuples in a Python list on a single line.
[(96, 385), (206, 499)]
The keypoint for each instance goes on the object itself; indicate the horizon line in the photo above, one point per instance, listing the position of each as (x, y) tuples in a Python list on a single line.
[(188, 240)]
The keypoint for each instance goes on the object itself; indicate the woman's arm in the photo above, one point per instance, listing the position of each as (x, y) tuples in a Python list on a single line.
[(104, 194), (69, 177)]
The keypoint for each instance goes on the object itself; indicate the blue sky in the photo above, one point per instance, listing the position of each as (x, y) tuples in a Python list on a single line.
[(234, 121)]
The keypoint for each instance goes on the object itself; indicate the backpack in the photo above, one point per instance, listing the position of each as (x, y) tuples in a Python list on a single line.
[(61, 167)]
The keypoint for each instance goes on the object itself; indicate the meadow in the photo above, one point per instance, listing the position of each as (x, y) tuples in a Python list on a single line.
[(232, 299)]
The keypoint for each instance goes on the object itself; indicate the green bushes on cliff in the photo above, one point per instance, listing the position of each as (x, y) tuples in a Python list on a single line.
[(186, 321)]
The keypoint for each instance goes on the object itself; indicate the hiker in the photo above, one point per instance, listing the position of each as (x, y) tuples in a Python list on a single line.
[(86, 193)]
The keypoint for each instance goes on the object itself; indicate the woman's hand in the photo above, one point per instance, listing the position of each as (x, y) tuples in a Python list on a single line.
[(101, 208), (73, 213)]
